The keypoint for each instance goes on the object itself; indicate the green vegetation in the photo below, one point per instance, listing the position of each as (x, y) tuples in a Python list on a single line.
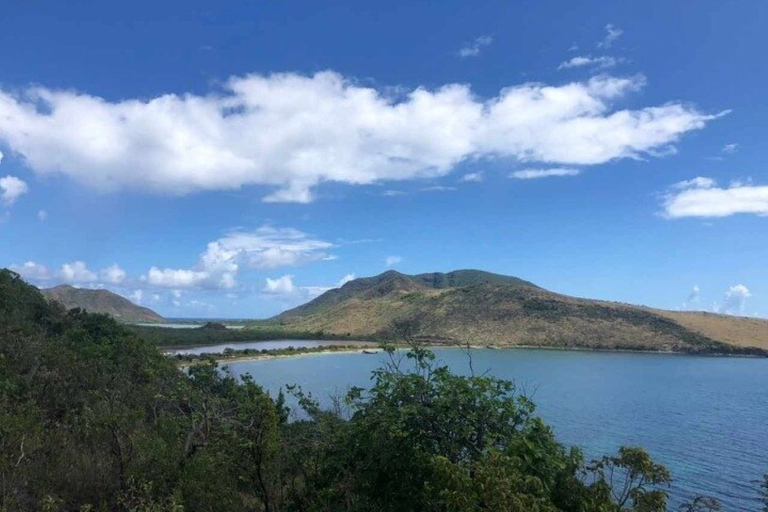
[(96, 419)]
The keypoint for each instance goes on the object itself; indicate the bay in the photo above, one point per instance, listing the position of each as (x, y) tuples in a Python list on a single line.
[(706, 418)]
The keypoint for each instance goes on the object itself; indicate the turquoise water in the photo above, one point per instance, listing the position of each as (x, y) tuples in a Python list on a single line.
[(706, 418)]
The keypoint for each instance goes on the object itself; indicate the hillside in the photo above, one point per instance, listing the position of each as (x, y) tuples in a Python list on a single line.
[(101, 301), (489, 309)]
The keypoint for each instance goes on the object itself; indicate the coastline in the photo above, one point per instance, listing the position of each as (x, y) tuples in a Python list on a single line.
[(277, 354), (361, 348)]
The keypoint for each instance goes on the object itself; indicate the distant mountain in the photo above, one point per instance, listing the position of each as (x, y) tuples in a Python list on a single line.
[(101, 301), (471, 306)]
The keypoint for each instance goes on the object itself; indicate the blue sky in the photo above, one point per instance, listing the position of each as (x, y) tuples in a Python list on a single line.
[(236, 160)]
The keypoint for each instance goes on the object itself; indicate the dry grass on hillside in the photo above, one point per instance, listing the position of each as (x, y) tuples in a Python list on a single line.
[(736, 330)]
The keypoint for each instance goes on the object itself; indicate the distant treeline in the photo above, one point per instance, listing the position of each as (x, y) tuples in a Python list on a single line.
[(94, 418), (215, 333), (230, 353)]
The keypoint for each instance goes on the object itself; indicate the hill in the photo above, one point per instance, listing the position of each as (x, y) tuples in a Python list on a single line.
[(489, 309), (101, 301)]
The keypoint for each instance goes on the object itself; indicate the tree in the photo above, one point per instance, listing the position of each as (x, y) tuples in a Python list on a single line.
[(631, 478)]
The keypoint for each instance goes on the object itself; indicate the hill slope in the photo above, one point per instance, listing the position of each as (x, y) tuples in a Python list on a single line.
[(488, 309), (101, 301)]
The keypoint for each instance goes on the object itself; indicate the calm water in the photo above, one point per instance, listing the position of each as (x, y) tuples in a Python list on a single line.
[(258, 345), (706, 418), (185, 325)]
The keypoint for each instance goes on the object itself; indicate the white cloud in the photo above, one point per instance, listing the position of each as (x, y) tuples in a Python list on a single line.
[(693, 297), (280, 286), (438, 188), (42, 215), (472, 177), (33, 271), (176, 278), (293, 132), (392, 260), (701, 197), (587, 60), (113, 274), (136, 296), (735, 299), (285, 288), (730, 148), (474, 48), (264, 248), (11, 188), (77, 272), (612, 34), (697, 182), (532, 174), (393, 193)]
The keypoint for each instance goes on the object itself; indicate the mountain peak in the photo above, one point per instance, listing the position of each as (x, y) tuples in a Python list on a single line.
[(393, 282), (100, 301)]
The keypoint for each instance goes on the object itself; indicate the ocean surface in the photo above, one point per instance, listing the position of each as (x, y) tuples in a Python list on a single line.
[(705, 418)]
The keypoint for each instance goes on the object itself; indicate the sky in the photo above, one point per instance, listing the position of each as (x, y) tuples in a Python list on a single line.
[(234, 159)]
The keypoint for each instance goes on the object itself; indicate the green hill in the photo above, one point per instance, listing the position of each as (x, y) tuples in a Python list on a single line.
[(470, 306), (101, 301)]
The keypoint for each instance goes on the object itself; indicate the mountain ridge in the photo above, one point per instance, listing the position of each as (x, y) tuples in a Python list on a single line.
[(472, 306), (101, 301)]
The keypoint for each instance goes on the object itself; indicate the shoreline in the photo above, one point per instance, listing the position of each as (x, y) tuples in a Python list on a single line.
[(276, 354), (360, 348), (331, 342)]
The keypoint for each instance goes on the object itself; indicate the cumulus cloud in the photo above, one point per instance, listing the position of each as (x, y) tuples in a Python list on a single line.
[(612, 34), (532, 174), (264, 248), (11, 188), (587, 60), (77, 272), (735, 298), (474, 48), (702, 197), (292, 132), (391, 261), (113, 274), (280, 286), (176, 278), (730, 148), (42, 215), (472, 177), (285, 288)]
